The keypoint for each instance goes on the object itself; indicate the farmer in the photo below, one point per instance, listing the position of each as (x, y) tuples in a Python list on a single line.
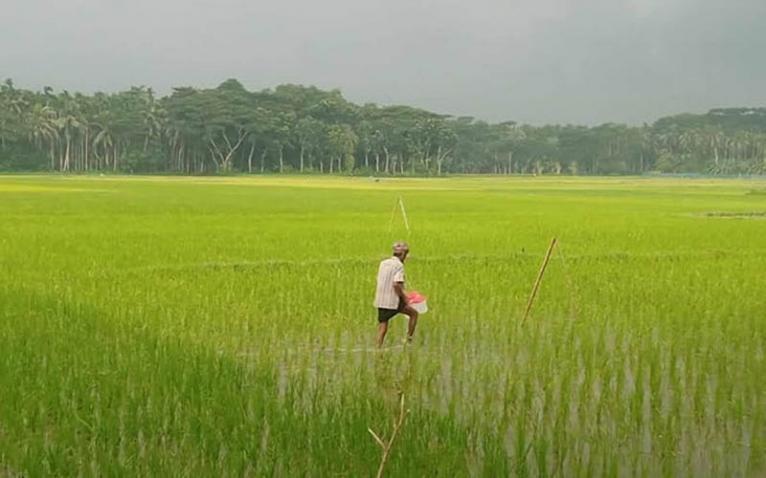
[(390, 298)]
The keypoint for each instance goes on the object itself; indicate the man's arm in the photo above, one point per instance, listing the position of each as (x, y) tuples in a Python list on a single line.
[(399, 289), (399, 285)]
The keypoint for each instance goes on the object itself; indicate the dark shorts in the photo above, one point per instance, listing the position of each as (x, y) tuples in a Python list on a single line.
[(384, 315)]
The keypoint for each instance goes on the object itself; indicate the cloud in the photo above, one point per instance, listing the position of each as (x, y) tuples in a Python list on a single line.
[(539, 61)]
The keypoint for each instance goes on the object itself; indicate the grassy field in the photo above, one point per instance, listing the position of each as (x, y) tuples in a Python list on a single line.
[(224, 327)]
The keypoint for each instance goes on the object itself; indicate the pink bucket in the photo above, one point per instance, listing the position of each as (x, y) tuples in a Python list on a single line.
[(417, 301)]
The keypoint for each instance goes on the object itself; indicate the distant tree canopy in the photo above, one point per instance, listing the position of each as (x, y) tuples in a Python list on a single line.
[(295, 128)]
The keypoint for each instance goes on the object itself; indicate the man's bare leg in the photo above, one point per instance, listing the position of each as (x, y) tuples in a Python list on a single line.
[(413, 315), (382, 329)]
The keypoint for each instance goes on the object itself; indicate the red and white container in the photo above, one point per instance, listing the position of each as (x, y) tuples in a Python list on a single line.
[(417, 301)]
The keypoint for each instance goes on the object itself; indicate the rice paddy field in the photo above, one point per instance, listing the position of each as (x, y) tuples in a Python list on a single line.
[(224, 327)]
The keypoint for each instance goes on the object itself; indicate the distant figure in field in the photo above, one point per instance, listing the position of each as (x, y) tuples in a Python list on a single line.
[(390, 298)]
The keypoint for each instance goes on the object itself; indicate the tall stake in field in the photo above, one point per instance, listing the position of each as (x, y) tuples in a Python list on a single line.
[(399, 204), (404, 215), (385, 446), (536, 287)]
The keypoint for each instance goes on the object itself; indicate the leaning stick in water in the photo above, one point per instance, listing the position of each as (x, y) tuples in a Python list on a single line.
[(536, 287)]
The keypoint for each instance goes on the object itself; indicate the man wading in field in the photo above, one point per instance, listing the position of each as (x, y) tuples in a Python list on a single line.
[(390, 298)]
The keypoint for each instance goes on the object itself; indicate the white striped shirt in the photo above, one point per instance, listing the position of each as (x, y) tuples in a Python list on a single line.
[(391, 271)]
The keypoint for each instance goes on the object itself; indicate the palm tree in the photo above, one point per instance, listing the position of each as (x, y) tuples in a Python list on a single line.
[(68, 124), (154, 121), (12, 104), (715, 139), (42, 129), (104, 139)]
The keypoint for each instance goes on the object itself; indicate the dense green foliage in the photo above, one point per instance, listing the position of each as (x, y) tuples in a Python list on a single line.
[(296, 128), (223, 327)]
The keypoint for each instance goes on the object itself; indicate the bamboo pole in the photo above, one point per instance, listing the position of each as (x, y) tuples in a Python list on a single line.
[(404, 215), (399, 204), (393, 216), (540, 274)]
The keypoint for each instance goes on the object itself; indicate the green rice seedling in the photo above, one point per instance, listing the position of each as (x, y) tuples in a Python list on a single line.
[(224, 327)]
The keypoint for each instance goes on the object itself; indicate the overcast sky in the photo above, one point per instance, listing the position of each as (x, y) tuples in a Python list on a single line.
[(536, 61)]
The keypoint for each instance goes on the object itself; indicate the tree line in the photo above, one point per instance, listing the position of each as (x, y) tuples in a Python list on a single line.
[(294, 128)]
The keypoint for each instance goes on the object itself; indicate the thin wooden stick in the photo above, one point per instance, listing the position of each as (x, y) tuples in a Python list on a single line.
[(400, 205), (393, 215), (387, 445), (404, 215), (539, 280)]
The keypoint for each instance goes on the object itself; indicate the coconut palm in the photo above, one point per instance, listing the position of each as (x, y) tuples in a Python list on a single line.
[(42, 129)]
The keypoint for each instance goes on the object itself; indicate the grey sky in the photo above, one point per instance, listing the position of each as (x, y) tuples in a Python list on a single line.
[(579, 61)]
